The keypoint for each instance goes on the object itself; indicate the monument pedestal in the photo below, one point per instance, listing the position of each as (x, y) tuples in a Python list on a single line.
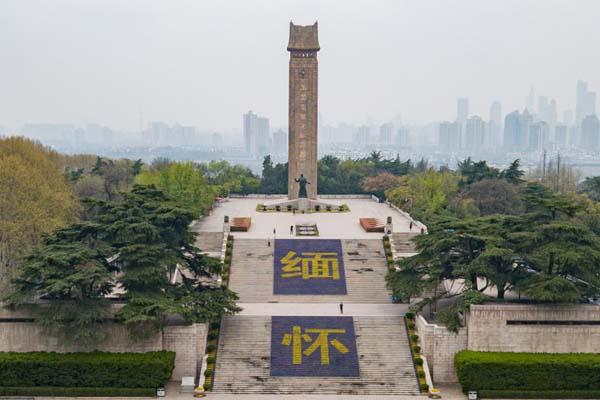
[(303, 204)]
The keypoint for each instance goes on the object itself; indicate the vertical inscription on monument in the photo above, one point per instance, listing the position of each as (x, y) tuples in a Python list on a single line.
[(303, 46)]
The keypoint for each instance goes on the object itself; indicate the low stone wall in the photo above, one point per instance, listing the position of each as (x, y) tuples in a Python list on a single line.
[(189, 343), (439, 346), (18, 333), (511, 328), (534, 328)]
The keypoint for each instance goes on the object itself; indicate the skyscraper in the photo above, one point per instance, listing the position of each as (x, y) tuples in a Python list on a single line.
[(402, 137), (495, 125), (538, 136), (360, 137), (474, 134), (280, 143), (449, 136), (462, 110), (547, 110), (516, 131), (385, 134), (586, 102), (590, 133), (256, 134), (560, 135)]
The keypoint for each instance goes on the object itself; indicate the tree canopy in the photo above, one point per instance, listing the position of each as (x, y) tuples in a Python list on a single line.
[(129, 249)]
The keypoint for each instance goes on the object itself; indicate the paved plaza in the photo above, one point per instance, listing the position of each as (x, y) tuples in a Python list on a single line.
[(335, 225)]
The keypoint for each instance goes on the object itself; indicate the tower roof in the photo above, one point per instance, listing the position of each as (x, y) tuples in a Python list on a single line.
[(304, 37)]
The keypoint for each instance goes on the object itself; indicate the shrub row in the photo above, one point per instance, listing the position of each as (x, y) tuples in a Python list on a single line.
[(536, 394), (91, 370), (415, 351), (77, 391), (528, 371)]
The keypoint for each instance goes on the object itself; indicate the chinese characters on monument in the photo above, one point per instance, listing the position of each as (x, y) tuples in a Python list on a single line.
[(308, 267), (313, 346)]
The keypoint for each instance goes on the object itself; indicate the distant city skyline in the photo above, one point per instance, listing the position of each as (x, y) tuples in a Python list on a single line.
[(204, 64)]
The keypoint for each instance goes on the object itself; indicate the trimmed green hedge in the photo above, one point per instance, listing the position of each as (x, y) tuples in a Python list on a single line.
[(519, 372), (91, 370), (77, 391), (535, 394)]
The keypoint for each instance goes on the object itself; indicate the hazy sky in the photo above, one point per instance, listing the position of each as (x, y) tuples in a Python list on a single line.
[(204, 63)]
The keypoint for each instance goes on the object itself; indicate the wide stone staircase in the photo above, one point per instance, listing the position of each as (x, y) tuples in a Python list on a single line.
[(403, 242), (243, 360), (251, 275)]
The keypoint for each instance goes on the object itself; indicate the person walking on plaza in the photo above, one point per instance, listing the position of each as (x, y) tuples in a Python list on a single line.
[(341, 308), (291, 229)]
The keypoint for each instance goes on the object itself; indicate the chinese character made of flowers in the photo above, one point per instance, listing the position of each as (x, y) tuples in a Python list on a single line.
[(311, 265), (320, 342)]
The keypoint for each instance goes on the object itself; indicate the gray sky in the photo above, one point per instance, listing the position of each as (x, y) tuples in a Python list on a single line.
[(204, 63)]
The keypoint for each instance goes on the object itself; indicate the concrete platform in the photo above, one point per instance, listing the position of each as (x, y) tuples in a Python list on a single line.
[(343, 225)]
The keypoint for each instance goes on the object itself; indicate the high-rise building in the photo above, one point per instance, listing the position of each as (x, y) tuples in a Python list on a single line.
[(280, 142), (402, 137), (474, 134), (547, 110), (385, 134), (450, 136), (462, 110), (495, 125), (256, 135), (590, 132), (538, 136), (361, 136), (516, 131), (568, 117), (586, 102), (216, 139), (560, 135)]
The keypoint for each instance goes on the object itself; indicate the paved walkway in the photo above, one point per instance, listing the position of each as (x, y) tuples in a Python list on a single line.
[(309, 309), (331, 225)]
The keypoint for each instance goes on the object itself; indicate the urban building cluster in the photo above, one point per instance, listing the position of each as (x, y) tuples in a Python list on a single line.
[(532, 130)]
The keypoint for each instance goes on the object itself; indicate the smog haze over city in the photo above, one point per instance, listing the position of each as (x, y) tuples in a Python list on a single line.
[(440, 80)]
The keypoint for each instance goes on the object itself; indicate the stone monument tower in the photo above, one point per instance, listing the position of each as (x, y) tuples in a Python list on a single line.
[(303, 46)]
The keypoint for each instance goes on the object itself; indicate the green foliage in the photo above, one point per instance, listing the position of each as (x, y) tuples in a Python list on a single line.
[(55, 391), (91, 370), (423, 387), (472, 171), (424, 194), (274, 178), (527, 371), (539, 394), (548, 253), (184, 182), (145, 235), (591, 187)]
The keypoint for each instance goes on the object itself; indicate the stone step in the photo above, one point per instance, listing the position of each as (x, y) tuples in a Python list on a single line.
[(403, 242), (243, 360), (365, 267), (209, 242)]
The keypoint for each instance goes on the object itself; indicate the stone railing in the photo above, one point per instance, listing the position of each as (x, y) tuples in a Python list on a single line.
[(418, 224)]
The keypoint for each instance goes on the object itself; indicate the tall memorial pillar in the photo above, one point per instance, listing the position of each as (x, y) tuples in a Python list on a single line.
[(303, 46)]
